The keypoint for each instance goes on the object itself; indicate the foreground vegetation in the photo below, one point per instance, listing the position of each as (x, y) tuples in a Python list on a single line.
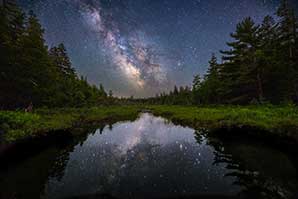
[(259, 68), (274, 120), (15, 126)]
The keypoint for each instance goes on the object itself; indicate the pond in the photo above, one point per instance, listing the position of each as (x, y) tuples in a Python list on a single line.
[(151, 158)]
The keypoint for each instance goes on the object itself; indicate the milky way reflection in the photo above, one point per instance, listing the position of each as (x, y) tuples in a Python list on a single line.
[(152, 158), (145, 156)]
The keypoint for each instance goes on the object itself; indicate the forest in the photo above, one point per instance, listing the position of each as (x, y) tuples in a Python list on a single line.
[(260, 66), (233, 131), (33, 73)]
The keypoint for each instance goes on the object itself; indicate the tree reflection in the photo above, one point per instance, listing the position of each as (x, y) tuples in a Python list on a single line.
[(152, 156), (254, 168), (28, 178)]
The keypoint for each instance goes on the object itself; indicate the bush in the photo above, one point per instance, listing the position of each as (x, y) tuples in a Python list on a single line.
[(14, 120)]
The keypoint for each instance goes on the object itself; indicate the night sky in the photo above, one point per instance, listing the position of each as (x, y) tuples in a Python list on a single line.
[(143, 47)]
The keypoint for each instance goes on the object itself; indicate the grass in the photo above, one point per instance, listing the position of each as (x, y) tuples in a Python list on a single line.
[(275, 120), (17, 126), (278, 120)]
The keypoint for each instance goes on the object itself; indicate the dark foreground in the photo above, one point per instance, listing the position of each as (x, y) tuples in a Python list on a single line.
[(148, 158)]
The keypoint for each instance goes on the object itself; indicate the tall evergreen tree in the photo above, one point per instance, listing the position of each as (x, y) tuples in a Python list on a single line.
[(36, 65), (240, 70), (31, 74), (288, 51), (209, 88), (266, 56), (196, 84), (11, 33), (175, 92), (102, 91), (61, 59)]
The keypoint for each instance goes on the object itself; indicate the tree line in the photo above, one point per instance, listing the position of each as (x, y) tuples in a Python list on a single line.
[(177, 96), (260, 66), (33, 74)]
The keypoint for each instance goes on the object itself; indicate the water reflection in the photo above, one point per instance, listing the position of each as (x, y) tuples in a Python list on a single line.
[(149, 155), (149, 158), (260, 171)]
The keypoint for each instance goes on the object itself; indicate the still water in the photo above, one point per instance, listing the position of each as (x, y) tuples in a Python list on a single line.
[(151, 158)]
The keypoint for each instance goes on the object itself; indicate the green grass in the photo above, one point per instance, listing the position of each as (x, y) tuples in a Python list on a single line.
[(275, 120), (279, 120), (20, 125)]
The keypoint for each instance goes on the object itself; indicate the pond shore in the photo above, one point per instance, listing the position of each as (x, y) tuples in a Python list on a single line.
[(260, 121), (275, 121), (17, 125)]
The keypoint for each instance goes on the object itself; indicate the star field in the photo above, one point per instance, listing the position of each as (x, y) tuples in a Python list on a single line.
[(143, 47)]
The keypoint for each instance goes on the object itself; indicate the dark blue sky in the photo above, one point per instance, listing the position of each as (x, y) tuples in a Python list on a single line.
[(142, 47)]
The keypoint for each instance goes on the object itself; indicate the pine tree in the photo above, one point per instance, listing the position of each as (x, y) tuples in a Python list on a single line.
[(267, 57), (213, 80), (31, 74), (11, 33), (61, 59), (287, 31), (240, 70), (36, 64), (175, 92), (102, 91), (196, 84), (261, 64)]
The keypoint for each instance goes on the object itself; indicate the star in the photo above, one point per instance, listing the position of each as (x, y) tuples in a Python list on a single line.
[(143, 47)]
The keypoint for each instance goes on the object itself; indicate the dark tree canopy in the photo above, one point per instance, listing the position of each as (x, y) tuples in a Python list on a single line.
[(260, 65), (30, 73)]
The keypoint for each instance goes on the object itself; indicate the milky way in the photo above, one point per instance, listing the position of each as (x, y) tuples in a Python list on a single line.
[(143, 47), (130, 53)]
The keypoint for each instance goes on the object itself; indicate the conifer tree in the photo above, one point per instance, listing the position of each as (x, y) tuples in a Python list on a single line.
[(61, 59), (196, 84), (11, 33), (32, 74), (240, 70), (287, 31), (36, 64)]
